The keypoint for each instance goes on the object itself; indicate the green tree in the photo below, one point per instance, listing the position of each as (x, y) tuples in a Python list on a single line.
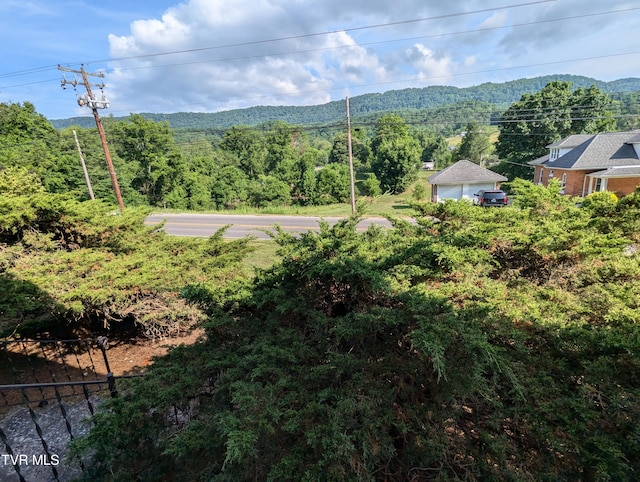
[(333, 184), (304, 190), (229, 188), (249, 148), (371, 186), (202, 172), (280, 145), (474, 146), (628, 108), (269, 191), (27, 139), (359, 149), (396, 155), (150, 147), (437, 150), (544, 117)]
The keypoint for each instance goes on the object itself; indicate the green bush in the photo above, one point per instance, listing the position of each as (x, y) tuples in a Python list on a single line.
[(371, 186), (600, 203), (419, 192), (486, 345), (69, 267)]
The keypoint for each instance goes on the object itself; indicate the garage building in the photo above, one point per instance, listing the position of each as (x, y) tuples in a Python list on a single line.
[(462, 180)]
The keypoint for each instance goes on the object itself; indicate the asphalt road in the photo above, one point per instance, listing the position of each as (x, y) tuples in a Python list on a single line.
[(204, 225)]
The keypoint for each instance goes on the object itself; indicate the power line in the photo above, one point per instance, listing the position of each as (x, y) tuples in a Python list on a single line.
[(337, 126), (41, 69), (371, 43), (411, 79), (281, 39), (329, 32), (366, 44)]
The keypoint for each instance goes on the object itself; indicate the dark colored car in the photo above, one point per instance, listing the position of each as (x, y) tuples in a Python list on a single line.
[(491, 198)]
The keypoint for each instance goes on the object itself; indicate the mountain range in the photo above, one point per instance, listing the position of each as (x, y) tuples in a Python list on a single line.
[(498, 95)]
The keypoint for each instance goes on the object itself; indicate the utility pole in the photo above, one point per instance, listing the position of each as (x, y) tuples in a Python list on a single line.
[(84, 167), (352, 180), (95, 104)]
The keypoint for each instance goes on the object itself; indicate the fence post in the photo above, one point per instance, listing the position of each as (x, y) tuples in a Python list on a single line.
[(111, 381)]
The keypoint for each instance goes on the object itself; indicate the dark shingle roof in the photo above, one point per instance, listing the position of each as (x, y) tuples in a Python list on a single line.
[(599, 151), (465, 172), (571, 141), (539, 160)]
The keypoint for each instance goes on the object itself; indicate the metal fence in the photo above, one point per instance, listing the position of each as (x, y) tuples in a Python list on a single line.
[(48, 389)]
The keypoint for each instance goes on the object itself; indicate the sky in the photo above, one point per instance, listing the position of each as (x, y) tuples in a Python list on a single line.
[(167, 56)]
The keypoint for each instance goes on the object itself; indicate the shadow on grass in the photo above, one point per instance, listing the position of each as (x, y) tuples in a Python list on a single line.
[(402, 207)]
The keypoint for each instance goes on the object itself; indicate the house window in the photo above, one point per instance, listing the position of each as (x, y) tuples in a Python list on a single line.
[(563, 183), (598, 184), (550, 173), (540, 176), (554, 154)]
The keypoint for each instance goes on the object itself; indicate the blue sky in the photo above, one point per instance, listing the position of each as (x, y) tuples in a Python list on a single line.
[(210, 55)]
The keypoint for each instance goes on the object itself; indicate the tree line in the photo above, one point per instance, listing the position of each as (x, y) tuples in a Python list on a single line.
[(273, 165), (471, 345), (280, 164), (429, 100)]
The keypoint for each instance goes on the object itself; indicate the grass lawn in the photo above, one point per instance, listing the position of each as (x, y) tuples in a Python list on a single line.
[(263, 257)]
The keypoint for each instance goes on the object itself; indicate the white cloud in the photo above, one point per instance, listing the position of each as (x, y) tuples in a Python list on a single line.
[(430, 65), (496, 20), (222, 56), (243, 70)]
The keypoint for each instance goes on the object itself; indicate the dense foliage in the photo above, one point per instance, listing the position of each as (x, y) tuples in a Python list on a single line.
[(475, 145), (277, 163), (396, 154), (69, 267), (475, 344), (558, 110)]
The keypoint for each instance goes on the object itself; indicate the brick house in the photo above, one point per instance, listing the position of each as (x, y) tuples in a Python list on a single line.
[(462, 180), (586, 163)]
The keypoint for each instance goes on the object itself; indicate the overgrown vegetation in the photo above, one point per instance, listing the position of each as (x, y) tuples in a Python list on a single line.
[(69, 267), (473, 345)]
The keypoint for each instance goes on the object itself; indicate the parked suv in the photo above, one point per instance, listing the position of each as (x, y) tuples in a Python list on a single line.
[(491, 198)]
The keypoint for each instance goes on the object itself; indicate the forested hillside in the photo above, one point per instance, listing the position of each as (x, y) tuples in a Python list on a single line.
[(498, 95), (279, 164)]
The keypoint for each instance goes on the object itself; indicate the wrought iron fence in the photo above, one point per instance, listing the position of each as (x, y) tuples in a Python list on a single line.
[(47, 389)]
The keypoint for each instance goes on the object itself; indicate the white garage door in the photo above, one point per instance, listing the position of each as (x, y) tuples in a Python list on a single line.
[(468, 190), (449, 191)]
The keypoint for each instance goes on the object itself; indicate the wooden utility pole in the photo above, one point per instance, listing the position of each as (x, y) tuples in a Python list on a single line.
[(95, 104), (351, 177), (84, 166)]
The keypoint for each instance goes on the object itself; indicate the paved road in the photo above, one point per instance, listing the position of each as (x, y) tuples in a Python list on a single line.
[(203, 225)]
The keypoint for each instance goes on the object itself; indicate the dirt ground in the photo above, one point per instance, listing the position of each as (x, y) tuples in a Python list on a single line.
[(30, 417), (32, 362), (134, 356)]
